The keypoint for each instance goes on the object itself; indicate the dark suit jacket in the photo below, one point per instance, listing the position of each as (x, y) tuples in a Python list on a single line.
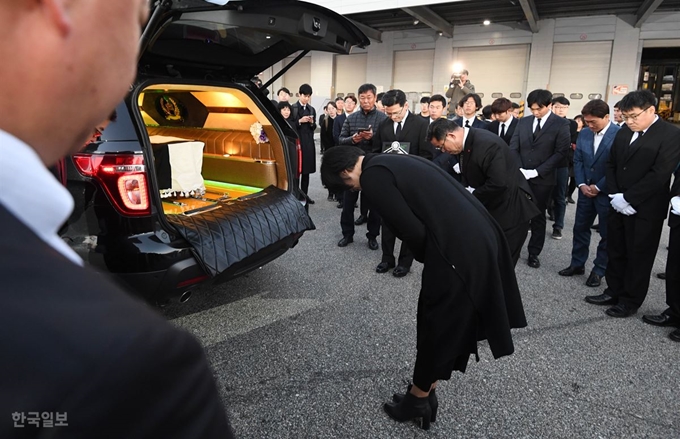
[(491, 168), (674, 220), (72, 342), (476, 123), (414, 131), (642, 171), (545, 153), (591, 168), (337, 127), (494, 127), (326, 131)]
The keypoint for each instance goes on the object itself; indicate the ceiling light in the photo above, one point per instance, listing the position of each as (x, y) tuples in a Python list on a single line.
[(416, 22), (268, 37), (487, 22), (440, 33)]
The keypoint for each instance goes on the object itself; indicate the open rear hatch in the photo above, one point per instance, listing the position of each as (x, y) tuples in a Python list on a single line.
[(230, 197)]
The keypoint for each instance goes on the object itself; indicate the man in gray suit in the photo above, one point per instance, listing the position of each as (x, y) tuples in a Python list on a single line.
[(590, 160), (541, 142)]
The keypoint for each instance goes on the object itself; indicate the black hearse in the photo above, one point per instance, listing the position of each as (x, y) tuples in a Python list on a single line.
[(196, 180)]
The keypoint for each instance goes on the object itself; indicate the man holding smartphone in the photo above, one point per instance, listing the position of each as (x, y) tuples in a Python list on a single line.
[(358, 131), (304, 117)]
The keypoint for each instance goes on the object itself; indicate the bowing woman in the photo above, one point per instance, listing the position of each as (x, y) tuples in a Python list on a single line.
[(465, 296)]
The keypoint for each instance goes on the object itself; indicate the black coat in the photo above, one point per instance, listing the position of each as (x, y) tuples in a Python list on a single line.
[(489, 166), (326, 131), (306, 135), (414, 131), (547, 152), (72, 342), (459, 233), (494, 127), (642, 171)]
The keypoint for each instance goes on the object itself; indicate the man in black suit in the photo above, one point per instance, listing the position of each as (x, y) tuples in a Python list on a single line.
[(541, 142), (303, 116), (642, 159), (671, 316), (409, 131), (471, 103), (505, 123), (490, 172), (74, 345)]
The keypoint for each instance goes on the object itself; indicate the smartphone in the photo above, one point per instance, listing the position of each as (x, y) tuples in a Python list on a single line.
[(363, 130)]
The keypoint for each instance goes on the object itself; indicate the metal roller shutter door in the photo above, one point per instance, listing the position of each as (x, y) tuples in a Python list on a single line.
[(580, 68), (300, 73), (413, 71)]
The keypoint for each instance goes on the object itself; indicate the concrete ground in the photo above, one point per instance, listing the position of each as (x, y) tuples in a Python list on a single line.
[(312, 344)]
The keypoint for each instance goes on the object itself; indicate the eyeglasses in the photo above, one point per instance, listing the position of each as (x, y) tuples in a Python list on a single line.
[(396, 114), (441, 146), (634, 117)]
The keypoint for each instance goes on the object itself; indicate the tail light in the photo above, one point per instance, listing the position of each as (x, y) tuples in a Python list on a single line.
[(123, 177), (298, 148)]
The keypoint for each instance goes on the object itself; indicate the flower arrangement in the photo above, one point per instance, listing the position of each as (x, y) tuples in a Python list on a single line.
[(258, 133)]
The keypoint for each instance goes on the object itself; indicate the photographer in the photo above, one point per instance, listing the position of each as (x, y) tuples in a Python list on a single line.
[(460, 86)]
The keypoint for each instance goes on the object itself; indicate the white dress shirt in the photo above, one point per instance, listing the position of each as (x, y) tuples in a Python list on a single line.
[(464, 119), (598, 137), (507, 124), (636, 134), (32, 194), (403, 121), (543, 119)]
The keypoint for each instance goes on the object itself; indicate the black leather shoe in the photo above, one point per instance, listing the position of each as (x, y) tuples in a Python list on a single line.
[(570, 271), (400, 271), (675, 335), (432, 399), (383, 267), (372, 244), (621, 310), (330, 198), (602, 299), (361, 220), (595, 227), (661, 276), (533, 261), (345, 240), (570, 200), (663, 319), (339, 205), (409, 408), (310, 201), (594, 280)]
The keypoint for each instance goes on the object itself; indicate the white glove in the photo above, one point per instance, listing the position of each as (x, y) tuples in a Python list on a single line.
[(470, 189), (628, 210), (675, 203), (456, 168), (618, 202), (529, 173)]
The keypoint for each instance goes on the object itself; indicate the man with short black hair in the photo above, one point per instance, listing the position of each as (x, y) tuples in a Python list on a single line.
[(487, 114), (303, 115), (541, 142), (425, 107), (436, 107), (516, 110), (505, 123), (642, 159), (558, 202), (283, 94), (489, 171), (618, 118), (590, 164), (349, 104), (408, 131), (471, 103), (358, 130)]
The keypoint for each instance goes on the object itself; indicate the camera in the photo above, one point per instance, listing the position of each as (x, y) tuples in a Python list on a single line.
[(455, 79)]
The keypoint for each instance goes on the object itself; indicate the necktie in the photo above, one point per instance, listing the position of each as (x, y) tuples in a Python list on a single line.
[(398, 130), (467, 124), (538, 128), (502, 130)]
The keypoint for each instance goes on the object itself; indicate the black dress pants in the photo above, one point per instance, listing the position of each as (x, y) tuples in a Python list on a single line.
[(673, 272), (516, 237), (632, 243), (542, 193), (388, 239), (347, 217)]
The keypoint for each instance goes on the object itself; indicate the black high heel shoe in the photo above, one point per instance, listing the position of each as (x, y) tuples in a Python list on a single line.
[(434, 403), (410, 407)]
